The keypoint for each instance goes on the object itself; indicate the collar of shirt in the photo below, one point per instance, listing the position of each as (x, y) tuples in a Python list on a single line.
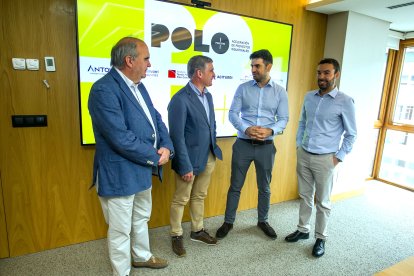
[(269, 83), (197, 91), (332, 93), (128, 82)]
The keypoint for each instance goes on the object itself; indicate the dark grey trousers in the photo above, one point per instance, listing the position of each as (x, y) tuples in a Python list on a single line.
[(263, 157)]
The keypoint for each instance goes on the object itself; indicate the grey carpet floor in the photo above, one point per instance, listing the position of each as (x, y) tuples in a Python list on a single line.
[(367, 233)]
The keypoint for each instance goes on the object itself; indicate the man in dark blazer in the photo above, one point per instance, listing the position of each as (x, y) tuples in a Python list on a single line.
[(132, 143), (193, 132)]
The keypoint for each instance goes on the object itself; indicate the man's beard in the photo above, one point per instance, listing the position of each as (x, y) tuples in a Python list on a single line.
[(325, 84)]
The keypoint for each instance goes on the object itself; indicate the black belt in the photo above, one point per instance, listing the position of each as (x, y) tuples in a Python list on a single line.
[(257, 142), (312, 152)]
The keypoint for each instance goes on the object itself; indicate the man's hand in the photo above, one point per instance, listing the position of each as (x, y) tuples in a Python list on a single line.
[(258, 132), (165, 156), (335, 161), (188, 177)]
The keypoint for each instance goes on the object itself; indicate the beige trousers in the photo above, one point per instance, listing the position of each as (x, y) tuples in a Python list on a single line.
[(315, 179), (195, 192)]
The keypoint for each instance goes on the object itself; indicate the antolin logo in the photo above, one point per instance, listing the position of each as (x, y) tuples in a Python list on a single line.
[(182, 39), (98, 69)]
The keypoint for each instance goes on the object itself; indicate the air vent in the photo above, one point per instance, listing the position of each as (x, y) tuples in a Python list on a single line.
[(400, 5)]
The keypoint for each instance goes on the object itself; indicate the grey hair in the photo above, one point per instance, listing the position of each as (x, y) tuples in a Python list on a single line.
[(197, 63), (127, 46)]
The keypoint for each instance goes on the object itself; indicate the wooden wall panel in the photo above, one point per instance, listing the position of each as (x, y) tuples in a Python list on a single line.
[(46, 173), (4, 243)]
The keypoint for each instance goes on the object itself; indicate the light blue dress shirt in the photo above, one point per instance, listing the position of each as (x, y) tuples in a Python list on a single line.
[(202, 99), (325, 122), (259, 106)]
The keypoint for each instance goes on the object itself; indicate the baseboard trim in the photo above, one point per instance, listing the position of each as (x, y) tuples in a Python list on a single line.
[(347, 194)]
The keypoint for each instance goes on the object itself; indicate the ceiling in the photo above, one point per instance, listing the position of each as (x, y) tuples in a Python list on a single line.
[(401, 18)]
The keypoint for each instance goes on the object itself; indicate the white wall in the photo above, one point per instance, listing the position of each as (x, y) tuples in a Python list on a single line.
[(359, 43)]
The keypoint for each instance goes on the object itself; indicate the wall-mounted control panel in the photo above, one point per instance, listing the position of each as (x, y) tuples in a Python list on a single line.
[(33, 64), (50, 64), (29, 120)]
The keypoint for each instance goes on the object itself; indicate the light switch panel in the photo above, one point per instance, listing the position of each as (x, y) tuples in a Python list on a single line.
[(19, 63), (32, 64)]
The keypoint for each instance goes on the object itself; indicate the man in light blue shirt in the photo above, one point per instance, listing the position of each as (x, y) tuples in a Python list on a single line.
[(259, 111), (326, 133)]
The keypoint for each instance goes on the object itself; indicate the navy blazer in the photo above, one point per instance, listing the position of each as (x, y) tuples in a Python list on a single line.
[(192, 134), (125, 157)]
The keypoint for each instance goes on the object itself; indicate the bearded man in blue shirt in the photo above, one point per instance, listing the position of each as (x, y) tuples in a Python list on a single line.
[(326, 133), (259, 111)]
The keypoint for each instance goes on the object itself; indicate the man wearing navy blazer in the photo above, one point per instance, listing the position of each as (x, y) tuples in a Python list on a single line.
[(193, 132), (132, 143)]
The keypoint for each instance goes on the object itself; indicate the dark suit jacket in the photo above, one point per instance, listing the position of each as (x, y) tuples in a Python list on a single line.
[(125, 156), (192, 134)]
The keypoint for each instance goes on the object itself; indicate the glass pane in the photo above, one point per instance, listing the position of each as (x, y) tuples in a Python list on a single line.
[(403, 112), (397, 163)]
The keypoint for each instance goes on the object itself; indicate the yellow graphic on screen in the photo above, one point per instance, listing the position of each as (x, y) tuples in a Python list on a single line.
[(102, 23)]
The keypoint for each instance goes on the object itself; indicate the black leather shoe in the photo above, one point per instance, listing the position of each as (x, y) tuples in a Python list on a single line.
[(318, 248), (267, 229), (297, 235), (224, 230)]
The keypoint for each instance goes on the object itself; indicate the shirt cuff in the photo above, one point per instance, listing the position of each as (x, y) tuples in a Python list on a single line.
[(340, 156)]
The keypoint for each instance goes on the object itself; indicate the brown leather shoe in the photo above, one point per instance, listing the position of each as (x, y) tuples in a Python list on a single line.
[(153, 262), (178, 246), (203, 236)]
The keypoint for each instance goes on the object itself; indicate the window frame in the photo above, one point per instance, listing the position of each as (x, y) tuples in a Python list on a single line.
[(388, 105)]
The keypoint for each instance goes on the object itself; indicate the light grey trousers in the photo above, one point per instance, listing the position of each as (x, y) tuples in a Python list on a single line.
[(315, 180)]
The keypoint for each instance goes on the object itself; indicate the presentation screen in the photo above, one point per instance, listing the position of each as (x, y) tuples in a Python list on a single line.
[(174, 33)]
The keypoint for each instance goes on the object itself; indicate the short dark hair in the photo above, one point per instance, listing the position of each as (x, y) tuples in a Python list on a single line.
[(197, 63), (332, 61), (263, 54)]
